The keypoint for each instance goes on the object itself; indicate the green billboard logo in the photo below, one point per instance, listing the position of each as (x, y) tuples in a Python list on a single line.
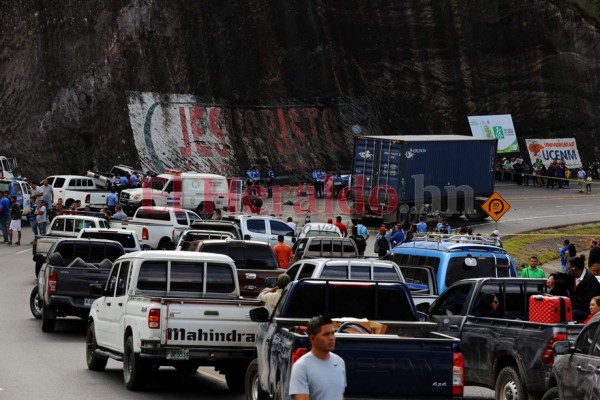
[(498, 132)]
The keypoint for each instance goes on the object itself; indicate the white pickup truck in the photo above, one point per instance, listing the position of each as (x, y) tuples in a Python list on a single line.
[(171, 308), (74, 187), (158, 227), (103, 179)]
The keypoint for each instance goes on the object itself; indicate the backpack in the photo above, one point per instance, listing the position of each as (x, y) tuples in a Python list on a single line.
[(361, 244), (382, 243)]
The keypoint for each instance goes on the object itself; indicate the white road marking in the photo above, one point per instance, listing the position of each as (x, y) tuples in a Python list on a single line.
[(21, 252)]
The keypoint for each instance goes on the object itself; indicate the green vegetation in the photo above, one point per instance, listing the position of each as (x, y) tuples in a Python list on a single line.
[(546, 243), (590, 9)]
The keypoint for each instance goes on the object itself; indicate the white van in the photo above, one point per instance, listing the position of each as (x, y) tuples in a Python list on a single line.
[(202, 193)]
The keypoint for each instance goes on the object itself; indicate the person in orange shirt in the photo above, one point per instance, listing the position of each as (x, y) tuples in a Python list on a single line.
[(283, 252)]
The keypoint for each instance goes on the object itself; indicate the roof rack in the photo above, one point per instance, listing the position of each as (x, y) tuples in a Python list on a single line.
[(450, 238)]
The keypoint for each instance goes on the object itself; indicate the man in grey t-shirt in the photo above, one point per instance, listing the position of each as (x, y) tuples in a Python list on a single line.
[(320, 374)]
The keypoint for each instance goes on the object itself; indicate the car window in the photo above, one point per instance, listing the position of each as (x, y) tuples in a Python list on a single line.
[(360, 272), (415, 275), (260, 257), (153, 276), (186, 276), (293, 270), (158, 215), (452, 301), (66, 250), (181, 218), (238, 255), (385, 274), (58, 225), (113, 252), (408, 259), (79, 225), (335, 272), (486, 267), (585, 340), (58, 183), (219, 278), (349, 247), (122, 281), (218, 248), (126, 240), (257, 226), (279, 228), (315, 245), (307, 271), (596, 349), (112, 281), (336, 246), (103, 224)]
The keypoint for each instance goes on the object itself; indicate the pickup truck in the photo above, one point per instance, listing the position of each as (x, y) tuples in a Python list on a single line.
[(74, 187), (369, 269), (128, 239), (63, 285), (158, 227), (329, 247), (508, 354), (262, 228), (103, 179), (64, 226), (219, 225), (254, 261), (174, 308), (406, 359)]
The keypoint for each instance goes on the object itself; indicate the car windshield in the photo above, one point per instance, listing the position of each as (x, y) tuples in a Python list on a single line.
[(158, 183), (486, 267)]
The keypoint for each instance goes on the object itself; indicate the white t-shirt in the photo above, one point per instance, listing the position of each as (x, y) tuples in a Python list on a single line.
[(320, 379)]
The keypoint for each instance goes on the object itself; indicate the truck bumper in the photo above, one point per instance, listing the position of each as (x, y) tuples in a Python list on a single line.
[(208, 356), (69, 306)]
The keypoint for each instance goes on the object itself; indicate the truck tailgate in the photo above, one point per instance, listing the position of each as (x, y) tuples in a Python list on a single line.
[(75, 282), (395, 367), (209, 324)]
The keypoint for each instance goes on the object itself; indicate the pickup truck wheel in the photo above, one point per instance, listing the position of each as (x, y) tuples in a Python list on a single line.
[(35, 303), (551, 394), (166, 244), (94, 361), (48, 319), (253, 389), (236, 379), (135, 368), (509, 385)]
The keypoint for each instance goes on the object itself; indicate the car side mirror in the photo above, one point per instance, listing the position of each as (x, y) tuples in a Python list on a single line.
[(563, 347), (39, 258), (423, 307), (270, 282), (247, 237), (259, 314), (97, 290)]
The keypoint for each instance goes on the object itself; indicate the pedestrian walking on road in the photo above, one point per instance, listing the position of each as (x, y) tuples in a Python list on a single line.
[(588, 184), (4, 215), (319, 374), (382, 244), (31, 217), (359, 240), (581, 179), (15, 221), (341, 226), (283, 252)]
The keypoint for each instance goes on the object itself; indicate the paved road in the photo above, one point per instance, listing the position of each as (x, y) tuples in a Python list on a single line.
[(35, 364)]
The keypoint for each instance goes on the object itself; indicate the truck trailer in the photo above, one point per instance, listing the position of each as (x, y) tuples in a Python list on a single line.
[(401, 178)]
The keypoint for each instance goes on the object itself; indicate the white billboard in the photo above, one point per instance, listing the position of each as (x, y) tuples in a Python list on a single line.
[(496, 126), (548, 150)]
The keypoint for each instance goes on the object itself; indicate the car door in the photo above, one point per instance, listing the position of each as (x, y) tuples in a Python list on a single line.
[(449, 309), (277, 228), (578, 377), (118, 304), (257, 230), (104, 307)]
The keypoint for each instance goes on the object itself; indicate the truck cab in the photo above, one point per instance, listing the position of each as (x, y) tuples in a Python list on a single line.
[(454, 258), (203, 193)]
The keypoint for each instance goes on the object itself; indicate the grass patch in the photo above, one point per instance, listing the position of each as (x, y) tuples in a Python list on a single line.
[(545, 243)]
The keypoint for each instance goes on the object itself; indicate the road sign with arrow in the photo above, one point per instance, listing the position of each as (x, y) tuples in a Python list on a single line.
[(495, 206)]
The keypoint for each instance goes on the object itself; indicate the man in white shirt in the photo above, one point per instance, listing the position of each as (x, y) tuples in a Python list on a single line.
[(291, 223)]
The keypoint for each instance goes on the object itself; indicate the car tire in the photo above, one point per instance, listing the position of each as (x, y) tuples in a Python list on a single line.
[(253, 389), (551, 394), (38, 267), (166, 244), (35, 303), (135, 368), (48, 319), (94, 361), (509, 385)]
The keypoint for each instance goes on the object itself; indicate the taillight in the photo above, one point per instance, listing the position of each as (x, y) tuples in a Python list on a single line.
[(548, 357), (145, 234), (298, 353), (52, 283), (154, 318), (87, 199), (458, 374)]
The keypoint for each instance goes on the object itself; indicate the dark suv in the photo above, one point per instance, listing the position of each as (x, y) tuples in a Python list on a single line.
[(254, 261)]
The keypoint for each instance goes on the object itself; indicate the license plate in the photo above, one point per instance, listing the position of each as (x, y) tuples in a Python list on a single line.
[(178, 354), (88, 302)]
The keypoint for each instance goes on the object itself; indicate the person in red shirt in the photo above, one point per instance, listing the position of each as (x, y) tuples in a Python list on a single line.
[(339, 224), (283, 252)]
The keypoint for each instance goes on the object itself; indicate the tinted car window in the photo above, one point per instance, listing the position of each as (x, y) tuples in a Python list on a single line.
[(596, 349), (486, 267), (126, 241), (385, 274), (307, 271), (153, 276), (66, 250), (407, 259), (217, 248), (360, 272), (181, 218), (58, 182), (260, 257), (335, 272), (58, 225), (293, 270), (315, 245), (219, 278), (452, 301), (153, 214), (257, 225), (279, 228), (112, 281), (585, 341), (238, 254), (186, 276), (122, 280)]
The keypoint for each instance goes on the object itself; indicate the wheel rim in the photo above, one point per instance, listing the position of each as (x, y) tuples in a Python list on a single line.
[(128, 363), (89, 348), (510, 391), (37, 304)]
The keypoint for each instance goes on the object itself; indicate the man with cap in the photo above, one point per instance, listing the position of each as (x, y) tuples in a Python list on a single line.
[(495, 235), (271, 296), (382, 245)]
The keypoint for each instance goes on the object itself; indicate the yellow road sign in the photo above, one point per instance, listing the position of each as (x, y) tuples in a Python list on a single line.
[(495, 206)]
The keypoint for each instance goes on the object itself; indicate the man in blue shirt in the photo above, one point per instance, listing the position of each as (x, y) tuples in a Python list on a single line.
[(111, 200), (564, 255), (4, 212), (270, 180), (362, 229), (421, 226), (398, 237), (133, 181)]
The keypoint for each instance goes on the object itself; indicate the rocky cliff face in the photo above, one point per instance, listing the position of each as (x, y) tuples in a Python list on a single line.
[(289, 81)]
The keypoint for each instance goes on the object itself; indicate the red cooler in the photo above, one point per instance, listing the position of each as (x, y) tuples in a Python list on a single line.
[(550, 309)]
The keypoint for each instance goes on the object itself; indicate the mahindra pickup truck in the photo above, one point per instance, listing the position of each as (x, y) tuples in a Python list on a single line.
[(63, 287), (508, 353), (403, 359), (181, 309), (73, 188), (158, 228)]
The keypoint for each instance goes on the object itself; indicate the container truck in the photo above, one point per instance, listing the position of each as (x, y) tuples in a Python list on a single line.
[(400, 178)]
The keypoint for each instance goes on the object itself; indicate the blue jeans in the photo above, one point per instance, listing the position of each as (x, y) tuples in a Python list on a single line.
[(42, 227), (4, 227), (34, 228)]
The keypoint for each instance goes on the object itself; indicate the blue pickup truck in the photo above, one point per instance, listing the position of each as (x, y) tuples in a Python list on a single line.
[(388, 352)]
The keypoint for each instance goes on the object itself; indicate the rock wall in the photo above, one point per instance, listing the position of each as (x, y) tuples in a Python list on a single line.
[(70, 69)]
